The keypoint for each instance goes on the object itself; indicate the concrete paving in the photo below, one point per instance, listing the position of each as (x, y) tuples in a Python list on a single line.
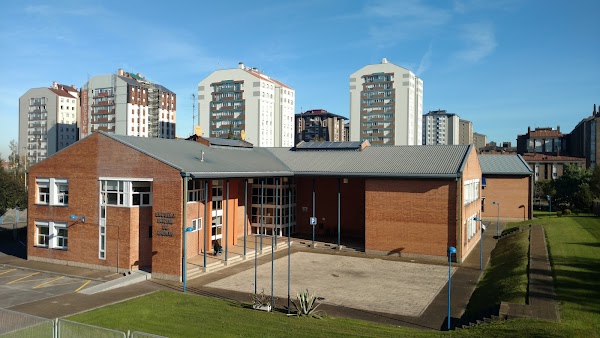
[(370, 284)]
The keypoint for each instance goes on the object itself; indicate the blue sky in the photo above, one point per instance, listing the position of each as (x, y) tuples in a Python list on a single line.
[(505, 65)]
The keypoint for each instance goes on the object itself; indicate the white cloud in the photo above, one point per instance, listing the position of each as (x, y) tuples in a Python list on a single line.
[(480, 42), (425, 62)]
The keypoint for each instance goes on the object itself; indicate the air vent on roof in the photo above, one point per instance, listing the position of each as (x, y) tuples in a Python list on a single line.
[(384, 60)]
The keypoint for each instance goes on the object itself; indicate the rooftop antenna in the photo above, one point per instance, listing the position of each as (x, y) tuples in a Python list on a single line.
[(193, 112)]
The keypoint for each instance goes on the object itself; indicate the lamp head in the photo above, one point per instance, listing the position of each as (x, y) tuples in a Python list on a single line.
[(495, 203), (189, 229), (451, 250), (477, 219)]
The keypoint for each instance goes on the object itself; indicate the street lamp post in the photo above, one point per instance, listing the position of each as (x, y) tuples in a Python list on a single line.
[(549, 203), (480, 242), (451, 250), (498, 220)]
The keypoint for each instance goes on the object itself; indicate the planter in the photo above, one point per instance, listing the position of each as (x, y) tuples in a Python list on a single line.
[(262, 307)]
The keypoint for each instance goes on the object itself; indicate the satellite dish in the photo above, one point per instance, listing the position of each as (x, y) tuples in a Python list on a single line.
[(198, 130), (243, 135)]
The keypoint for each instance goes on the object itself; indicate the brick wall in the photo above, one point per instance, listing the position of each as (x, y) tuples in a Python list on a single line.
[(352, 207), (513, 194), (82, 164), (415, 217), (472, 170)]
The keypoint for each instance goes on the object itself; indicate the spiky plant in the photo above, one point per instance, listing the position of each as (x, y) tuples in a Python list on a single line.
[(306, 305)]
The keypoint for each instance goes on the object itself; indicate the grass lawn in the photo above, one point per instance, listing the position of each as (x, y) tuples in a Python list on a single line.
[(574, 244), (175, 314), (505, 277)]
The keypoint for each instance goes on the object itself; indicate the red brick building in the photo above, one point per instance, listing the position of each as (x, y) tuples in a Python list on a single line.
[(118, 202), (509, 183)]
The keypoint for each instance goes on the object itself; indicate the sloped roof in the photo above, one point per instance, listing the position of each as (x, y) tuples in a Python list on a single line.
[(503, 165), (61, 92), (187, 156), (436, 161), (215, 141)]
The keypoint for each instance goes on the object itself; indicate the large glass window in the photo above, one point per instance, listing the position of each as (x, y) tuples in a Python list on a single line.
[(195, 190), (141, 193)]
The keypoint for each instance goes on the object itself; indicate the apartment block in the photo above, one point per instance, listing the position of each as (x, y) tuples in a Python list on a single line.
[(245, 103), (584, 140), (479, 140), (47, 121), (465, 132), (386, 104), (542, 141), (319, 125), (441, 127), (127, 104)]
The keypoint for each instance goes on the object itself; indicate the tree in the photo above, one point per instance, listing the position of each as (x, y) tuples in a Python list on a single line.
[(595, 182), (573, 188), (12, 192)]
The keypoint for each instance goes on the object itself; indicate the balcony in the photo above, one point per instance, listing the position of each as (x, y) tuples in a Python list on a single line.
[(108, 129), (103, 103), (103, 120), (103, 111), (104, 94)]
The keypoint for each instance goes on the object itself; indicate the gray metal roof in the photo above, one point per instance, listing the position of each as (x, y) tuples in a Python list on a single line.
[(435, 161), (327, 145), (228, 142), (503, 165), (218, 162)]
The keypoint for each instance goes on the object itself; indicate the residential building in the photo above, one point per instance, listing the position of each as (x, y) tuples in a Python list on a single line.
[(122, 201), (479, 140), (346, 137), (440, 127), (319, 125), (47, 121), (507, 188), (465, 132), (127, 104), (249, 104), (386, 105), (550, 167), (543, 141)]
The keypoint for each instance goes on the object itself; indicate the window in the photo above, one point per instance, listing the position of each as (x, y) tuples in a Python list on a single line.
[(52, 191), (471, 191), (197, 224), (53, 235), (113, 193), (62, 192), (43, 191), (471, 227), (141, 193), (62, 236), (195, 190), (43, 234)]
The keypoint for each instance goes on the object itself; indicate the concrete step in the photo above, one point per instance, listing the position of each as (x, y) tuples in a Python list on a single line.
[(135, 277)]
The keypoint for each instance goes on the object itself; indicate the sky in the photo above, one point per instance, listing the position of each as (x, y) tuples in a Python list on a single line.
[(505, 65)]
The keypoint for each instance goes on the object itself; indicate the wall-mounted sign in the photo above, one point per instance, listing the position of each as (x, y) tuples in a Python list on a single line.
[(165, 219), (313, 221)]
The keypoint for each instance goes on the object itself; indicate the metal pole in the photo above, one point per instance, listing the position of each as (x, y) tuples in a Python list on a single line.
[(186, 180), (339, 214), (277, 220), (262, 202), (498, 223), (480, 245), (313, 212), (206, 223), (289, 237), (245, 213), (273, 269), (449, 285), (226, 219), (255, 260)]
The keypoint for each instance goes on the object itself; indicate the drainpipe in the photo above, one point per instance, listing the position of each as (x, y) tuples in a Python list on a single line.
[(460, 204)]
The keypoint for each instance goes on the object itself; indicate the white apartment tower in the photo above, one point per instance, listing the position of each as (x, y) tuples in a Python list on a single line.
[(47, 121), (440, 127), (386, 105), (243, 99), (127, 104)]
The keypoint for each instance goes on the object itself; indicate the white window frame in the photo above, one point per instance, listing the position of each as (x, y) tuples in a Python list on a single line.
[(61, 198), (46, 237), (471, 191), (53, 240), (145, 197), (196, 224), (42, 197)]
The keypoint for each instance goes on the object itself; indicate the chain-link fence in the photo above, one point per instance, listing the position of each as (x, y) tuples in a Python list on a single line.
[(20, 325), (16, 324)]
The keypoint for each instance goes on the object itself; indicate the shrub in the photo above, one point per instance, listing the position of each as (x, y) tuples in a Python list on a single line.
[(567, 212), (260, 299), (559, 213), (306, 305)]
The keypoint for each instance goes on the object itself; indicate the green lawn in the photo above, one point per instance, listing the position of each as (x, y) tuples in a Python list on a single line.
[(175, 314), (574, 244), (505, 277)]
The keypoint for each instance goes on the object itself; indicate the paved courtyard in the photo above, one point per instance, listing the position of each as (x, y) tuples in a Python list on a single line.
[(369, 284)]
